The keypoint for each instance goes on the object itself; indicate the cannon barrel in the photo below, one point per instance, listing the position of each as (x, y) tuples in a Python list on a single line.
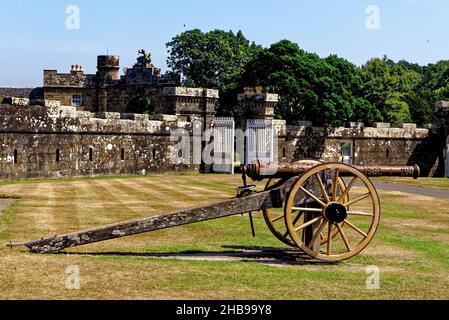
[(259, 170)]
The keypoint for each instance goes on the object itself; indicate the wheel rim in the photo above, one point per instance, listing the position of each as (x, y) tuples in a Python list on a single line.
[(352, 223), (275, 219)]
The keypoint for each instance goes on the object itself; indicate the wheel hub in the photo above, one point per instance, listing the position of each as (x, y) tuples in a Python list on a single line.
[(335, 212)]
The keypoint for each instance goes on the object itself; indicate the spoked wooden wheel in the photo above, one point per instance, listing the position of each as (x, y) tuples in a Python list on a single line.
[(351, 214), (275, 220)]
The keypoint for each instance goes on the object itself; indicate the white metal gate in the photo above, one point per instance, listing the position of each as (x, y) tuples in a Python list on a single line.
[(346, 152), (224, 145), (259, 141)]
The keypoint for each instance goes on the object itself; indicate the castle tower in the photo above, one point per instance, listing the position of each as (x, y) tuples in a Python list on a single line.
[(256, 106), (189, 102), (108, 68)]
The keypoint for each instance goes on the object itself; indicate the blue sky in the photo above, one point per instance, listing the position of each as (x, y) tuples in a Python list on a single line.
[(33, 33)]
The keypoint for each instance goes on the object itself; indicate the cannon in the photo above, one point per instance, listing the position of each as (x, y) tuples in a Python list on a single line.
[(330, 211)]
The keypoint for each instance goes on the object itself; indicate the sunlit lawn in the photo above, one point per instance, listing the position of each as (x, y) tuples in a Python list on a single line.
[(411, 247)]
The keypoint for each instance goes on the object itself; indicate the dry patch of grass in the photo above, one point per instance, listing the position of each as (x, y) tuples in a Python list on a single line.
[(411, 247), (5, 203)]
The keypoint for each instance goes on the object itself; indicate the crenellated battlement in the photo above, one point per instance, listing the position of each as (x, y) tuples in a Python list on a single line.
[(55, 118), (359, 131)]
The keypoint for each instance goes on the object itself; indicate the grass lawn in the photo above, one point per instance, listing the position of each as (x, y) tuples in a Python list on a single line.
[(437, 183), (411, 247)]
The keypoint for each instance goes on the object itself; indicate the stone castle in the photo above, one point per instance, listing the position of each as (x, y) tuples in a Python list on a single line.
[(81, 124), (105, 91)]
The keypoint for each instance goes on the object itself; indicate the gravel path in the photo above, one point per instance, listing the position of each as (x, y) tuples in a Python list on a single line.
[(424, 191)]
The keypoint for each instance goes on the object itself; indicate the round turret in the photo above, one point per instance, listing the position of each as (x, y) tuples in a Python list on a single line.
[(108, 67)]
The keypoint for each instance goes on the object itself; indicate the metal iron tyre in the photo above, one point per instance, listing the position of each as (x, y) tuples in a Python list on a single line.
[(351, 214)]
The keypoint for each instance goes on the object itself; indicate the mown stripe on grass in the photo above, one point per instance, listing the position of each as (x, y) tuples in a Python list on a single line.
[(396, 211), (431, 249), (7, 218)]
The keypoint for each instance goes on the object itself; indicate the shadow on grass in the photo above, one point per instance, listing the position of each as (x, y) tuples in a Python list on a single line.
[(263, 255)]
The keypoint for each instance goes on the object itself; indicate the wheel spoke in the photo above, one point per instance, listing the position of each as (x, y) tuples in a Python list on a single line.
[(298, 217), (329, 239), (362, 214), (345, 239), (356, 228), (334, 185), (278, 218), (317, 234), (313, 196), (323, 188), (348, 188), (294, 222), (350, 203), (309, 223), (307, 209)]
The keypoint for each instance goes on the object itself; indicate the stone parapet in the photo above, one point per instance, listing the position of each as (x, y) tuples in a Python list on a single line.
[(65, 119), (442, 105), (108, 115), (382, 125), (190, 92), (304, 129), (260, 97)]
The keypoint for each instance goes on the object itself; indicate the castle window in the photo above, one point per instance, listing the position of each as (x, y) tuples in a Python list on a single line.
[(77, 100), (122, 154), (388, 152), (154, 153), (58, 155), (91, 154), (15, 156), (284, 153)]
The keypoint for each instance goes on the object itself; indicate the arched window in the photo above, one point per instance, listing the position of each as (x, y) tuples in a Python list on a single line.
[(15, 156), (388, 152), (91, 154), (58, 155), (122, 154)]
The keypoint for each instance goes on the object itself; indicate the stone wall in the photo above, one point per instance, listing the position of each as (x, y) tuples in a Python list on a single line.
[(75, 79), (60, 141), (64, 95), (378, 145), (185, 102), (29, 93), (44, 138)]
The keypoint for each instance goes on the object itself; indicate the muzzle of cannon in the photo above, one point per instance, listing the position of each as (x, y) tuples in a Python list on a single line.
[(330, 211)]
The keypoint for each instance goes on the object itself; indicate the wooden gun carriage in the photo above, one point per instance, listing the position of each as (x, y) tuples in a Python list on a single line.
[(331, 211)]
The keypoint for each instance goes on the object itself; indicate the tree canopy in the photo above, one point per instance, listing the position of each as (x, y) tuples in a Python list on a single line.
[(328, 91), (215, 59)]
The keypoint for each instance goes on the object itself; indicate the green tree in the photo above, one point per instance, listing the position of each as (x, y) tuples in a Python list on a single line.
[(142, 105), (385, 83), (435, 75), (422, 106), (311, 88), (365, 112), (214, 59), (397, 110)]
